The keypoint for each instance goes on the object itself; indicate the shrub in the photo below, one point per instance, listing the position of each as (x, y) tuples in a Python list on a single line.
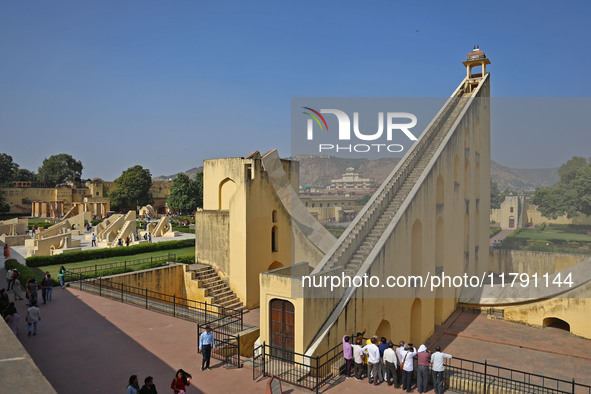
[(183, 229), (24, 272), (112, 271), (186, 259), (542, 226), (95, 254), (94, 222)]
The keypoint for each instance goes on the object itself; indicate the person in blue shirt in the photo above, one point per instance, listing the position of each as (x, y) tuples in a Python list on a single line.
[(206, 343)]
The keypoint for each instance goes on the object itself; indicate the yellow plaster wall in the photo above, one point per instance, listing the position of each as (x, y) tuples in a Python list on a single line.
[(524, 261), (464, 247), (574, 307)]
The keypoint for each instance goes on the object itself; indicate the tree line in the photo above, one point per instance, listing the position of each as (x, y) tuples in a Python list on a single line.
[(132, 187)]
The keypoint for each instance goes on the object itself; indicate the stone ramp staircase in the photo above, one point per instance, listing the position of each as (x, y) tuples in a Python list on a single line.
[(214, 287), (358, 246), (352, 251)]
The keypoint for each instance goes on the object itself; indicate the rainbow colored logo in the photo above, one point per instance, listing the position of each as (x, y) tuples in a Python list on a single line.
[(315, 118)]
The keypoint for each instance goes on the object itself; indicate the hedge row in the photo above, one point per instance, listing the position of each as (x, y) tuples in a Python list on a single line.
[(112, 271), (95, 254), (24, 272), (183, 229)]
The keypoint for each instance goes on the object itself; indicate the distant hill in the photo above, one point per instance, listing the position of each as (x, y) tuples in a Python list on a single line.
[(191, 173), (318, 171), (522, 179)]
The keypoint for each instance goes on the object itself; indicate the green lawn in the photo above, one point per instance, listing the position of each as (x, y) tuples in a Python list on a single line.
[(564, 234), (39, 222), (53, 269)]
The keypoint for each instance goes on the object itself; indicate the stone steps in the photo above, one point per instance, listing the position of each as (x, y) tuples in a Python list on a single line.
[(215, 287)]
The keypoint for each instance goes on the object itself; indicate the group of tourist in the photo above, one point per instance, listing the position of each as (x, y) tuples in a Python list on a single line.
[(381, 361), (13, 318), (31, 291), (179, 384), (182, 379)]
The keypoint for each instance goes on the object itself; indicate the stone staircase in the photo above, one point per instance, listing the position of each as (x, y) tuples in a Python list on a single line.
[(356, 247), (217, 290)]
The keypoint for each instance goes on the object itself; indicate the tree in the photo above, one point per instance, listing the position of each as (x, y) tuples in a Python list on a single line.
[(361, 201), (571, 195), (60, 168), (132, 188), (7, 169), (186, 195), (22, 174), (4, 207), (496, 197)]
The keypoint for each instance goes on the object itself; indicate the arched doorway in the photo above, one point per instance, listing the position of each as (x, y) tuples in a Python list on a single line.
[(384, 330), (415, 321), (226, 190), (555, 322), (282, 325)]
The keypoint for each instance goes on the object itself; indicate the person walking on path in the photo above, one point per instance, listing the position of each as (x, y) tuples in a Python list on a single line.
[(33, 317), (17, 290), (437, 360), (12, 318), (149, 387), (206, 344), (6, 251), (133, 386), (4, 302), (33, 287), (348, 355), (9, 279), (93, 243), (181, 381), (62, 275), (47, 286), (423, 359)]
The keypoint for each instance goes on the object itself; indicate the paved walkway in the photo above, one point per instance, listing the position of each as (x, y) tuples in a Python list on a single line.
[(501, 235), (550, 351)]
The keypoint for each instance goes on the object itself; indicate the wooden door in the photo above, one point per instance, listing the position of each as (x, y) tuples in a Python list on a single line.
[(511, 222), (282, 329)]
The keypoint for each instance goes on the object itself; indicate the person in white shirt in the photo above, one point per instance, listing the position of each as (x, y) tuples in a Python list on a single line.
[(33, 317), (399, 350), (437, 360), (408, 354), (391, 364), (358, 359), (373, 360)]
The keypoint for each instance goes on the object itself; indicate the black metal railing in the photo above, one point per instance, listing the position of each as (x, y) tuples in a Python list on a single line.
[(298, 369), (460, 375), (467, 376), (226, 338), (169, 304), (95, 270)]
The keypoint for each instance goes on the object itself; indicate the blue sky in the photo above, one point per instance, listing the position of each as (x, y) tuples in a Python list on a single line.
[(169, 84)]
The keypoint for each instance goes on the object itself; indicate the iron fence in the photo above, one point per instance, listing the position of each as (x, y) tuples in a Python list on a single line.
[(94, 270), (169, 304), (460, 376), (226, 338), (467, 376), (298, 369)]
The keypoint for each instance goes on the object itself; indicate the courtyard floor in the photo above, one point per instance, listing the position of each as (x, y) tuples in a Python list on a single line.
[(92, 344)]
